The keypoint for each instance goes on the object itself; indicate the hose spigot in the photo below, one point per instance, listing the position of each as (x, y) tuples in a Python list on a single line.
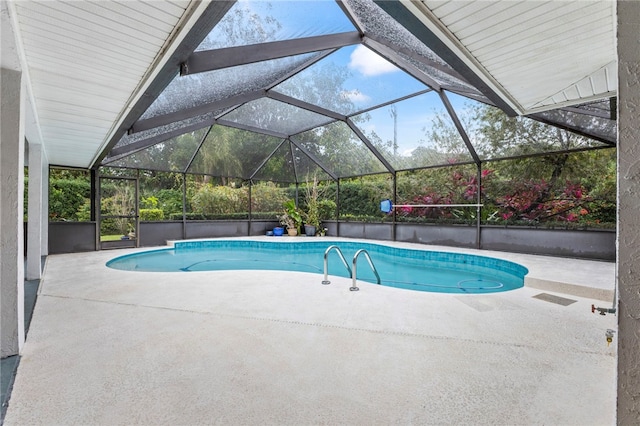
[(602, 311)]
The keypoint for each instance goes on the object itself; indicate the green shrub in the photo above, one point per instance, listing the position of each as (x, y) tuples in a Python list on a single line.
[(67, 197), (170, 201), (189, 216), (362, 198), (327, 209), (267, 197), (366, 218), (210, 199), (151, 215), (217, 216), (265, 215)]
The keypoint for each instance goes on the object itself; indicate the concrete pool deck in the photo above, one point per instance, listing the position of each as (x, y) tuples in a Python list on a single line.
[(267, 347)]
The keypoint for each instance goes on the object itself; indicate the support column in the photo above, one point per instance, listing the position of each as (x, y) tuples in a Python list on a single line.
[(45, 206), (11, 210), (628, 240), (37, 219)]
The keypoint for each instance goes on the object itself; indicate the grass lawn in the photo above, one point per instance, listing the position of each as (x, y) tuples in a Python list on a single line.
[(110, 237)]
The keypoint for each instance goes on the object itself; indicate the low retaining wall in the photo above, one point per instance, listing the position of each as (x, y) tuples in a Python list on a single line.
[(453, 235), (158, 233), (370, 231), (71, 237), (585, 244)]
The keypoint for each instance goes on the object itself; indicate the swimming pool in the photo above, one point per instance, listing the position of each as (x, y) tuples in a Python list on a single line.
[(420, 270)]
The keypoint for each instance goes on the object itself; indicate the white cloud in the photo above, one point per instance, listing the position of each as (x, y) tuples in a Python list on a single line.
[(408, 152), (355, 96), (369, 63)]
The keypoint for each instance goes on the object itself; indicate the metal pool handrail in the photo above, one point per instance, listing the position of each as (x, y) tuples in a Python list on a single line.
[(354, 287), (326, 263)]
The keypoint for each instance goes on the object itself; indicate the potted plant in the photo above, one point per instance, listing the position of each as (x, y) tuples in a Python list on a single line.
[(291, 218), (132, 232), (312, 215), (123, 226)]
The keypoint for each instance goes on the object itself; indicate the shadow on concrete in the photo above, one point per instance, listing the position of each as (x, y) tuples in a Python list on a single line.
[(9, 365)]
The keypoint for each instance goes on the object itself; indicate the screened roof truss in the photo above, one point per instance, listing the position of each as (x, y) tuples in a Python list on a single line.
[(211, 60), (333, 98)]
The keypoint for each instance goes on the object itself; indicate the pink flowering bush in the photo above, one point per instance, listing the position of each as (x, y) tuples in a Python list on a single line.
[(525, 201), (536, 201)]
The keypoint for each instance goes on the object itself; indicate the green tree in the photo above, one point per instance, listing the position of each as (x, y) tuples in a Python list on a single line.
[(549, 176), (442, 144), (69, 193), (500, 136), (569, 185), (118, 200), (233, 29)]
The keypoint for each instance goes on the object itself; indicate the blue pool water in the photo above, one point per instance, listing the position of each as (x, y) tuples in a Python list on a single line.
[(398, 267)]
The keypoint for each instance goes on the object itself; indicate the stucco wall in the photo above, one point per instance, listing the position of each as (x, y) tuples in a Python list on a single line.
[(11, 210), (628, 207)]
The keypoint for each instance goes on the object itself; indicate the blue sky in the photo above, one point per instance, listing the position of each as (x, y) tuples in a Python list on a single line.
[(414, 116)]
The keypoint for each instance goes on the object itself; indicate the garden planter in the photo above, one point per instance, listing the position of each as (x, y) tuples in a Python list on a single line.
[(310, 230)]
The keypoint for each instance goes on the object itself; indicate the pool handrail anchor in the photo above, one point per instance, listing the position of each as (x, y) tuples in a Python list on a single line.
[(354, 287), (326, 263)]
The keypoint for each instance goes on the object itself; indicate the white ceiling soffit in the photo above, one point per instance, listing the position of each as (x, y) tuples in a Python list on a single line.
[(537, 55), (87, 60), (12, 58)]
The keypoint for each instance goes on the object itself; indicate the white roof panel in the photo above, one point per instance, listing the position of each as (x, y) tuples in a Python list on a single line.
[(534, 54), (86, 59)]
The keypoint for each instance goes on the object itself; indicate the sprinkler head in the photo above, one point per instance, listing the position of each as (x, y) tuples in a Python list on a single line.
[(609, 335)]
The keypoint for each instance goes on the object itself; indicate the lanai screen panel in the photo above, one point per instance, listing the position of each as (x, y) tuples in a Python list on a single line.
[(447, 78), (306, 168), (381, 27), (157, 132), (172, 155), (414, 133), (232, 152), (338, 148), (602, 108), (586, 119), (252, 22), (279, 167), (494, 135), (194, 90), (352, 79), (271, 115)]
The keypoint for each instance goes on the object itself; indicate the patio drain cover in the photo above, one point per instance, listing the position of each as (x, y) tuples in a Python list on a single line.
[(554, 299)]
